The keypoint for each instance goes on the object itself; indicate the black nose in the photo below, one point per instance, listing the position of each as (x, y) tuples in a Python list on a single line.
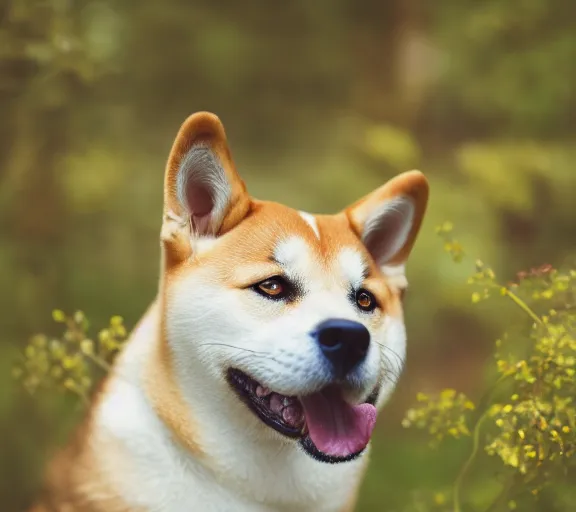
[(344, 343)]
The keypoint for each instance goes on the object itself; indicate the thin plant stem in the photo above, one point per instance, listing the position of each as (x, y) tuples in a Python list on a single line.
[(484, 402), (493, 507), (522, 305), (98, 361), (469, 461)]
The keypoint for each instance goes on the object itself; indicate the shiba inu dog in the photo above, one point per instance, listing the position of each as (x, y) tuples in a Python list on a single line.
[(253, 381)]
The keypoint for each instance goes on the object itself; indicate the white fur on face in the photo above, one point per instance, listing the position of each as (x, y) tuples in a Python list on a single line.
[(353, 267), (393, 356), (295, 257), (213, 327)]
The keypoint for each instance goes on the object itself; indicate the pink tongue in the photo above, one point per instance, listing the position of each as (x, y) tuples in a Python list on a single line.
[(335, 427)]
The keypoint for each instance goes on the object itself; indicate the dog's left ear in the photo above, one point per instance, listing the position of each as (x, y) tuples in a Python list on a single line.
[(201, 183), (388, 220)]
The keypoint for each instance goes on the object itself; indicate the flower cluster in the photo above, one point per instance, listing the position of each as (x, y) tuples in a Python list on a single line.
[(527, 418), (451, 245), (70, 362), (445, 415), (533, 434)]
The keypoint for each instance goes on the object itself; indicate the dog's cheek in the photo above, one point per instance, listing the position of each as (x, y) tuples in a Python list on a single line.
[(210, 322), (191, 310), (393, 353)]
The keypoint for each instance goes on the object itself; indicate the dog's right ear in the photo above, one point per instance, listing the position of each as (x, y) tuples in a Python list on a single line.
[(203, 192), (201, 182)]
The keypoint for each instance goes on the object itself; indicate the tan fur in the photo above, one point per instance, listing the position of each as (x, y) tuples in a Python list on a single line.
[(77, 475), (83, 477), (166, 397)]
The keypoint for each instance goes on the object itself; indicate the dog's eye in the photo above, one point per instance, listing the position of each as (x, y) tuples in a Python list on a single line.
[(365, 300), (274, 288), (271, 287)]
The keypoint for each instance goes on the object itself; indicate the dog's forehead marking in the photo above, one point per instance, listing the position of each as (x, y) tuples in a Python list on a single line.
[(293, 253), (311, 221), (352, 266), (300, 261)]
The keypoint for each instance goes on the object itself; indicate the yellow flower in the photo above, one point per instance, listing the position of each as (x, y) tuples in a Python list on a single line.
[(439, 498), (58, 316), (87, 346)]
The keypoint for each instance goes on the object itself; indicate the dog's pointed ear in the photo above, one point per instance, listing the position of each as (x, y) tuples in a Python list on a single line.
[(202, 187), (388, 220)]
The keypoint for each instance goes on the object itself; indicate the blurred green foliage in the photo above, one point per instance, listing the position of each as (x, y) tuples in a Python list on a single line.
[(322, 101), (71, 362)]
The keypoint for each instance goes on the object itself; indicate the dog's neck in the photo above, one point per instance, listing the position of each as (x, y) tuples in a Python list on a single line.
[(197, 449)]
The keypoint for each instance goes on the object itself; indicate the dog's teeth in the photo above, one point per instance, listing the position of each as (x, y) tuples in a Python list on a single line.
[(276, 403), (262, 392), (293, 415)]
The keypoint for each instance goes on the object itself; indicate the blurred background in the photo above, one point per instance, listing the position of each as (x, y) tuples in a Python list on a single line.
[(322, 101)]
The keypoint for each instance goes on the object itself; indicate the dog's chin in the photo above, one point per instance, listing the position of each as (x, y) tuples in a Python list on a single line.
[(307, 419)]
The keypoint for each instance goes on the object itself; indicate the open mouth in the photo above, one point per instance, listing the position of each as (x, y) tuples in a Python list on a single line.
[(328, 428)]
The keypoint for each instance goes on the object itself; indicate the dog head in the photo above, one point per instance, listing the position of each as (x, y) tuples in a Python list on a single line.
[(298, 316)]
